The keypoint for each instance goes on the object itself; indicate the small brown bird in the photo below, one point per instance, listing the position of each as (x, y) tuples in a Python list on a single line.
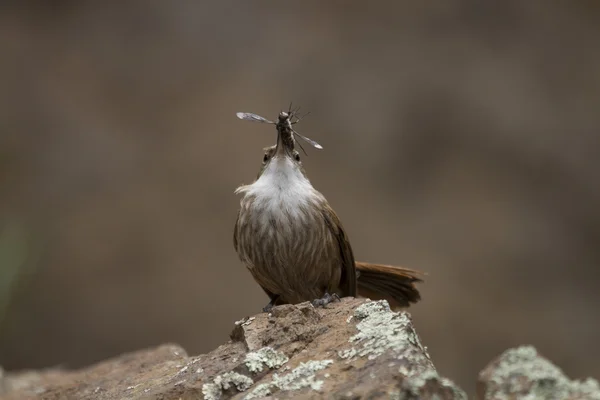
[(294, 244)]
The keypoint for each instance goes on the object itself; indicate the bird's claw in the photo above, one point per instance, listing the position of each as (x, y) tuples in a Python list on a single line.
[(326, 299)]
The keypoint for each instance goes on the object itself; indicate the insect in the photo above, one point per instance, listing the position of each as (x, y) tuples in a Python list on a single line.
[(286, 120)]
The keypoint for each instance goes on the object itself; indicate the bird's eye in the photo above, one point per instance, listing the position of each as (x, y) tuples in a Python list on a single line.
[(297, 157), (266, 158)]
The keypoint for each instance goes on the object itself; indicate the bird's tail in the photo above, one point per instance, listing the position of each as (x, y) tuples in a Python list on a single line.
[(386, 282)]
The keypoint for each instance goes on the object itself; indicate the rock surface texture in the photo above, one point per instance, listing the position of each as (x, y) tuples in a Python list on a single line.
[(522, 373), (353, 349)]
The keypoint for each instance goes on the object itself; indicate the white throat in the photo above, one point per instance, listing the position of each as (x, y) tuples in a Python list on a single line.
[(281, 185)]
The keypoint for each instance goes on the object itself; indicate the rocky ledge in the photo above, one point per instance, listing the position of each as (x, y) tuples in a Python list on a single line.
[(353, 349)]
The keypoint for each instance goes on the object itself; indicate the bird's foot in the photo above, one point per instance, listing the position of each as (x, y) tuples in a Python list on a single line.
[(326, 299), (269, 307)]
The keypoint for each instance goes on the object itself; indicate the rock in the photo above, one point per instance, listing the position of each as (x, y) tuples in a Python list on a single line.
[(353, 349), (521, 373), (125, 377)]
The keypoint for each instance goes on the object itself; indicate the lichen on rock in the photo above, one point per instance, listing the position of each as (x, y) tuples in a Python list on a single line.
[(265, 356), (380, 357), (523, 372), (300, 377), (415, 385), (381, 330), (214, 390)]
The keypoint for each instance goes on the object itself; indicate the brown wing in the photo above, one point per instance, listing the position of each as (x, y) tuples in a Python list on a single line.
[(394, 284), (348, 279)]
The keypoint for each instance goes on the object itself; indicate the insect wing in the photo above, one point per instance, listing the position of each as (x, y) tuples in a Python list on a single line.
[(253, 117), (310, 141)]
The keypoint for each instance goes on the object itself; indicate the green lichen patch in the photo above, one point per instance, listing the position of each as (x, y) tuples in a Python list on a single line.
[(300, 377), (255, 361), (522, 371), (226, 381), (381, 330)]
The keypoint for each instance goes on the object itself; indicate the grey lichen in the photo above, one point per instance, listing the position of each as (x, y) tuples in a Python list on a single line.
[(414, 363), (414, 384), (542, 378), (367, 309), (347, 353), (265, 357), (381, 330), (300, 377), (214, 390)]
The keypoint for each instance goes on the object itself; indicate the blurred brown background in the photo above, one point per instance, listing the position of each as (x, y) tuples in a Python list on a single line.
[(460, 138)]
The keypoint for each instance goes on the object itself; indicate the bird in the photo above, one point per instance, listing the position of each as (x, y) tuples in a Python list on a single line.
[(292, 241)]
